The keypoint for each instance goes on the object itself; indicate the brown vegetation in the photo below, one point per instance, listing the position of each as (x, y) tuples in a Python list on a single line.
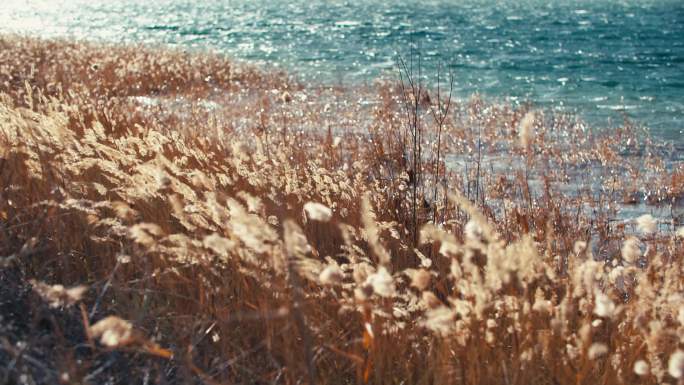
[(175, 217)]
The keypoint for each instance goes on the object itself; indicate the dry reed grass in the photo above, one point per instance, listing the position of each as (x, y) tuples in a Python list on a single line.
[(268, 237)]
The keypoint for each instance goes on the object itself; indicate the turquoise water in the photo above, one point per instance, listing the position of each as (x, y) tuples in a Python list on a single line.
[(602, 59)]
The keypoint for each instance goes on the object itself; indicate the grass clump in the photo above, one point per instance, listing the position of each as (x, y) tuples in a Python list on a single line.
[(175, 218)]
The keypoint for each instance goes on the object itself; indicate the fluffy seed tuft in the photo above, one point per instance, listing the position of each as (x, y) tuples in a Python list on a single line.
[(58, 295), (113, 332), (646, 224), (641, 368), (317, 212), (675, 365)]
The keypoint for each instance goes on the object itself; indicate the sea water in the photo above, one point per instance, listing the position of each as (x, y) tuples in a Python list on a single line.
[(604, 60)]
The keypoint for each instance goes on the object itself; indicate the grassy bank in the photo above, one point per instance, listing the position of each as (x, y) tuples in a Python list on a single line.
[(175, 217)]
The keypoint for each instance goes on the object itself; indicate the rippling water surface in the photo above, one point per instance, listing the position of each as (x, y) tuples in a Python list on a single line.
[(603, 59)]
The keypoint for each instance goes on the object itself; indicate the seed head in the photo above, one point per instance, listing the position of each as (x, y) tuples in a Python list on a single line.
[(473, 231), (631, 250), (646, 224), (641, 368), (420, 279), (317, 212), (597, 350), (676, 364), (440, 320), (113, 331), (381, 282), (680, 232), (526, 129), (331, 275), (58, 295), (605, 307), (579, 247)]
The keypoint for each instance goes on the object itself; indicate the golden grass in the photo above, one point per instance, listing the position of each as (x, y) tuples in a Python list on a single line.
[(242, 228)]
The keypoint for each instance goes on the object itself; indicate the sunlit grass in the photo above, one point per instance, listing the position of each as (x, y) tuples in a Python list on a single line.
[(234, 226)]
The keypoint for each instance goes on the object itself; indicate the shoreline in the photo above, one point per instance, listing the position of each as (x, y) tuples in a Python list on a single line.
[(583, 109), (327, 103)]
